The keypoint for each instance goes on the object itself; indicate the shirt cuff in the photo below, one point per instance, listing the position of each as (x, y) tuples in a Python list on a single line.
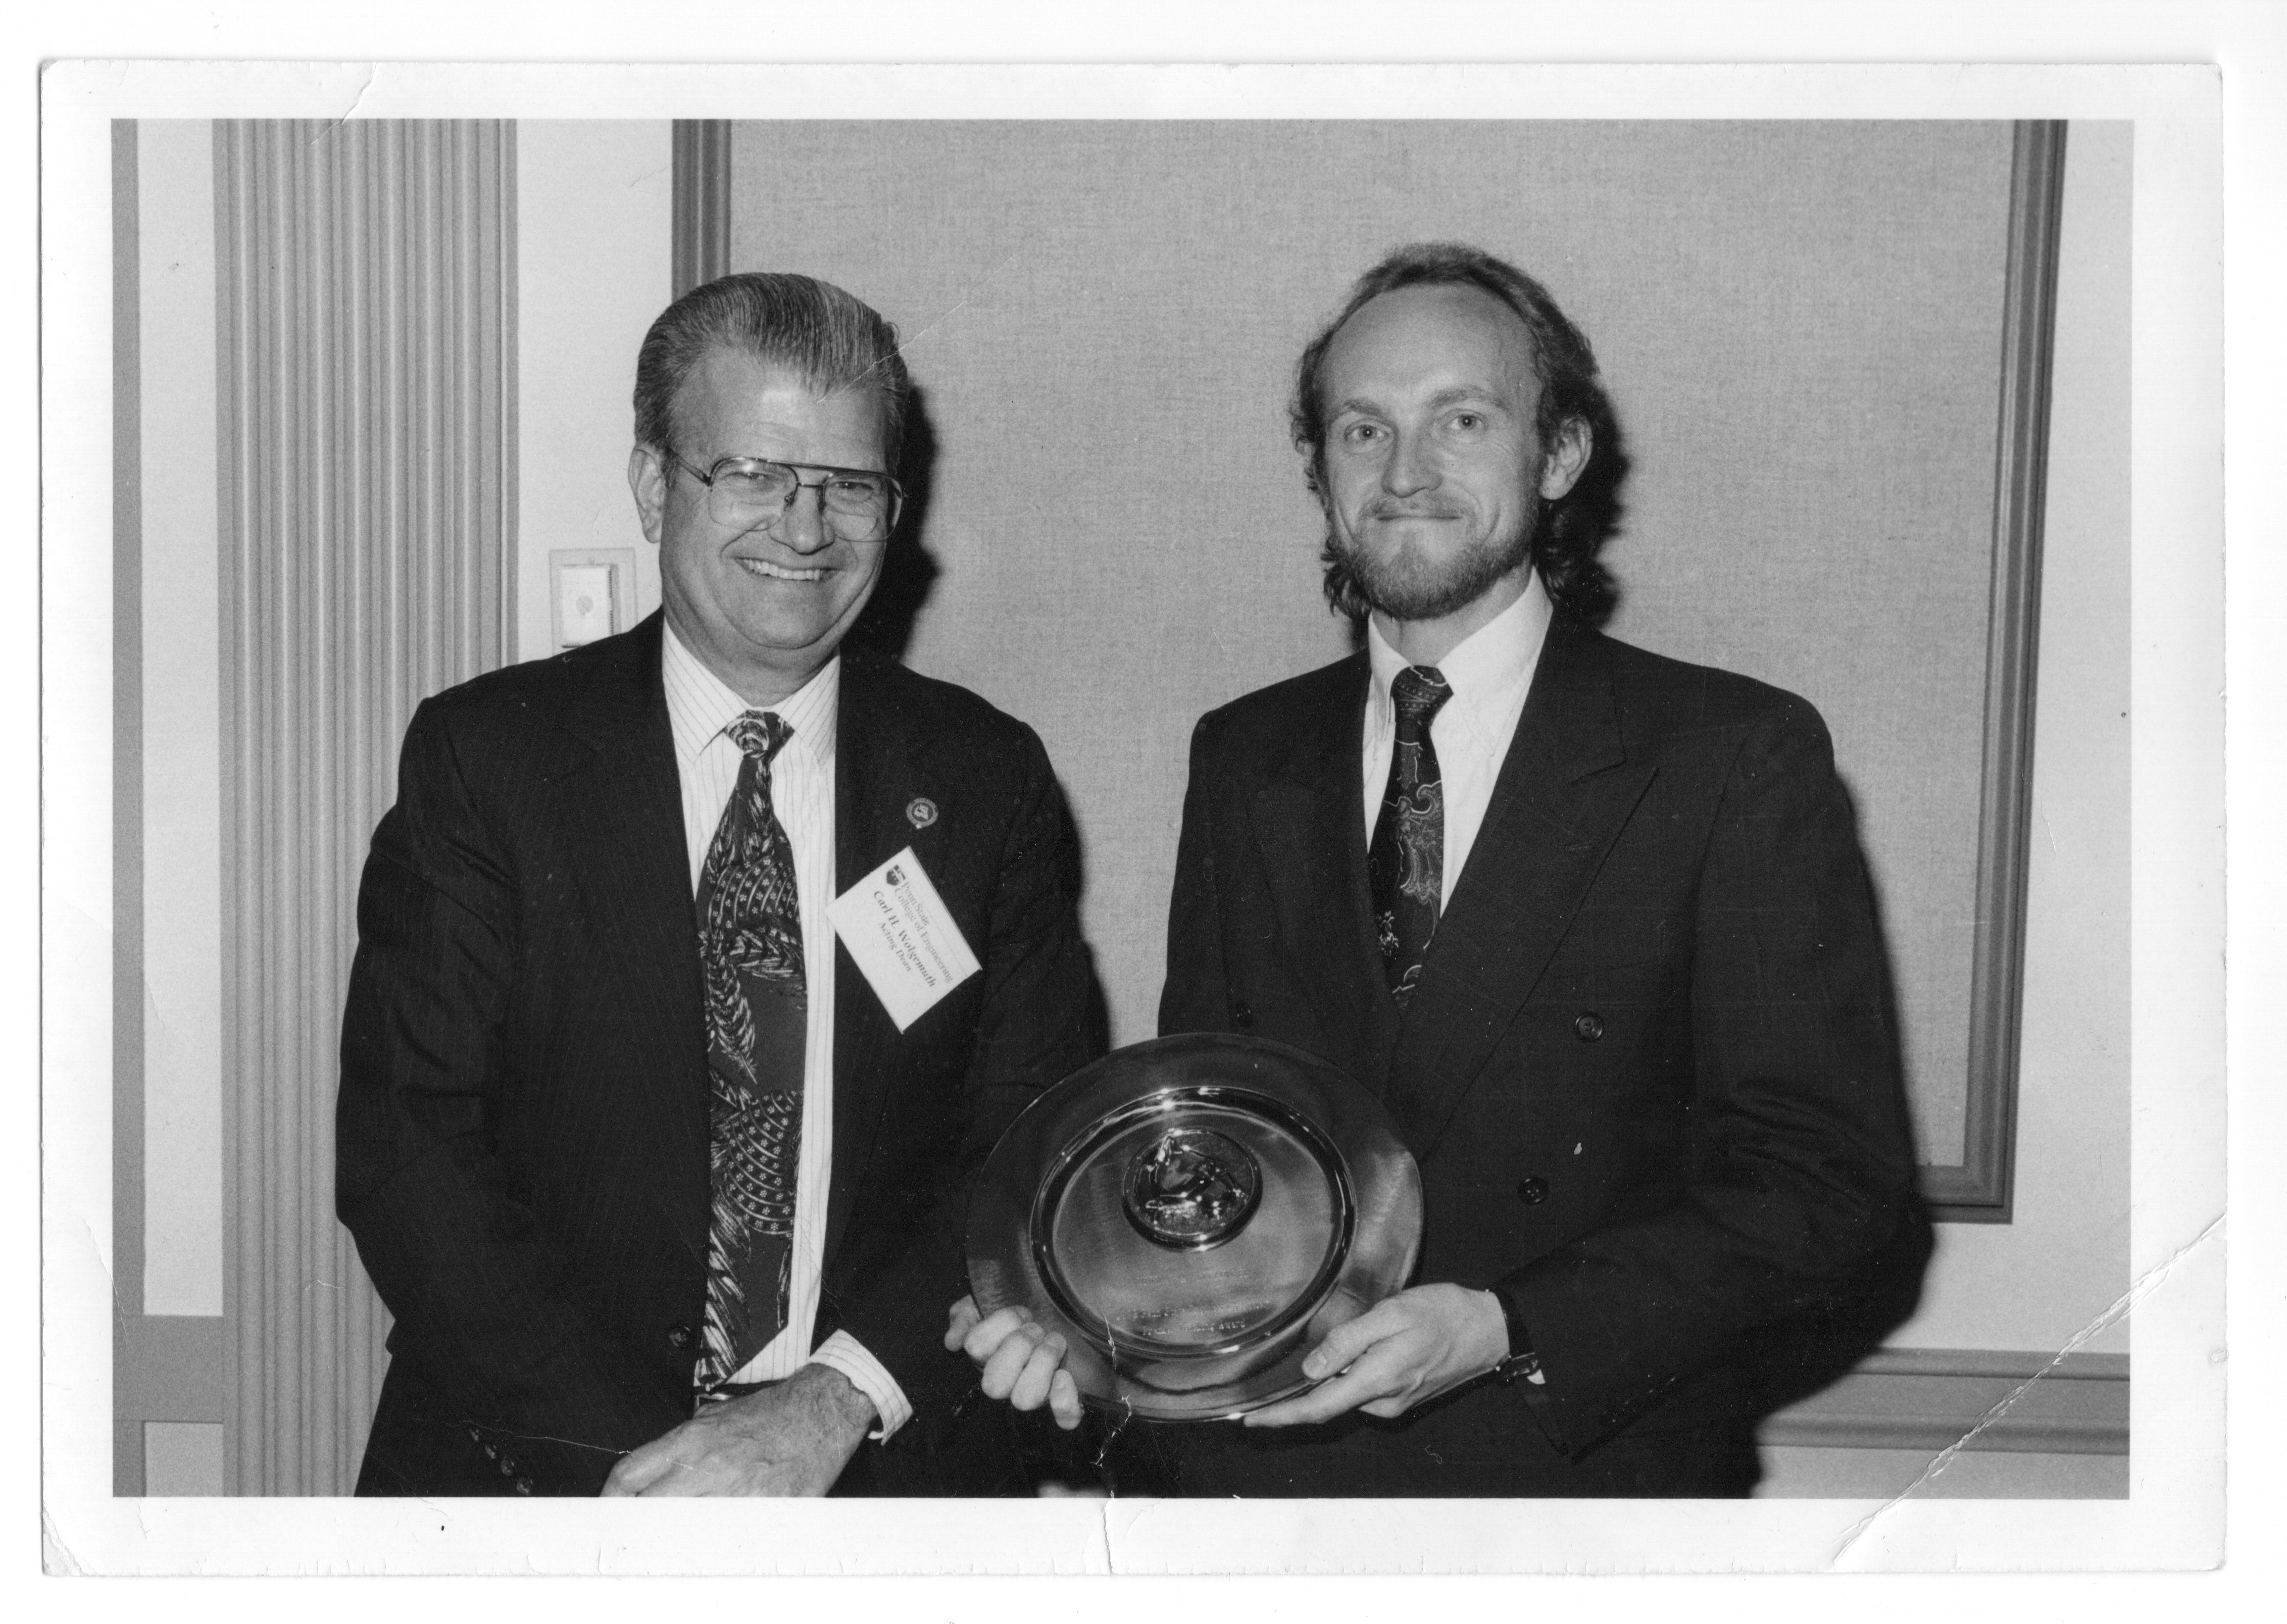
[(845, 1352)]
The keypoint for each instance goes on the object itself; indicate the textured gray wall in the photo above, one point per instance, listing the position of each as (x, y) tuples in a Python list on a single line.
[(1799, 323)]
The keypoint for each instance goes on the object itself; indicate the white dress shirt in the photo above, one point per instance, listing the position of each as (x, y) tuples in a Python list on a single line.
[(1490, 671), (700, 706)]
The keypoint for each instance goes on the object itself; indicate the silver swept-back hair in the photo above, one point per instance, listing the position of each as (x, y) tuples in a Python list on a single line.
[(833, 338)]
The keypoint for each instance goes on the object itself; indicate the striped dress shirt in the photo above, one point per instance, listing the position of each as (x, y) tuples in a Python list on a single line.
[(701, 705)]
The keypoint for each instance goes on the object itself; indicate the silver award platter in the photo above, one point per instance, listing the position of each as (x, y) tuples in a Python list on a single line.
[(1194, 1214)]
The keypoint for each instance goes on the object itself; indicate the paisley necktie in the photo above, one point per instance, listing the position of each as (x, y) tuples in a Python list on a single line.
[(1406, 862), (750, 951)]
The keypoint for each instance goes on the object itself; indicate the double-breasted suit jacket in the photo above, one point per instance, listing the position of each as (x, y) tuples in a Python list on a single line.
[(523, 1120), (1648, 1073)]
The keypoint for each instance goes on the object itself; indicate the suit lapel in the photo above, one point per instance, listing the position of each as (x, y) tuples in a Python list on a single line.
[(1310, 829), (623, 818), (1564, 791), (871, 746)]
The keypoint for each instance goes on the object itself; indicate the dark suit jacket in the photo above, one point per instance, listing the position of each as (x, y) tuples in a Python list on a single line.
[(1649, 1074), (523, 1122)]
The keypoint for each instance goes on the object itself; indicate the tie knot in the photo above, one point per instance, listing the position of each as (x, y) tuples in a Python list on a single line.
[(760, 734), (1417, 691)]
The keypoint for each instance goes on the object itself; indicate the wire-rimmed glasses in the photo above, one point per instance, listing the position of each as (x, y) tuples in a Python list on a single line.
[(858, 504)]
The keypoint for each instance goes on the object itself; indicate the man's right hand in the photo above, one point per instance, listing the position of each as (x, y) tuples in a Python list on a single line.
[(792, 1437), (1021, 1360)]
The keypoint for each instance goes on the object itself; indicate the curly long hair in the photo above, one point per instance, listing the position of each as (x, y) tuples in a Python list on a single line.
[(1573, 528)]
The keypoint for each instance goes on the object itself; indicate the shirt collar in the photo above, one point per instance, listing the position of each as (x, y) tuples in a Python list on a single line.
[(1489, 662), (700, 705)]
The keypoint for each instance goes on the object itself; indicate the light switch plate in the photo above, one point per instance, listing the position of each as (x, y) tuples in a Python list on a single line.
[(590, 593)]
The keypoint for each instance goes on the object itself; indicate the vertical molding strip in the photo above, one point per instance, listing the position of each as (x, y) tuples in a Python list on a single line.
[(701, 204), (1979, 1190), (126, 794), (365, 341)]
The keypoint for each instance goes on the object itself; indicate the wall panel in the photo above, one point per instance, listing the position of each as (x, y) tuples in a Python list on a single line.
[(1800, 325), (593, 263), (365, 282)]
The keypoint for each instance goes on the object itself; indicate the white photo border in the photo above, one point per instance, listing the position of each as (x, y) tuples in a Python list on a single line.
[(2173, 1516)]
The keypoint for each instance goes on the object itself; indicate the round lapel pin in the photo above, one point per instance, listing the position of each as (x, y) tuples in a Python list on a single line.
[(920, 811)]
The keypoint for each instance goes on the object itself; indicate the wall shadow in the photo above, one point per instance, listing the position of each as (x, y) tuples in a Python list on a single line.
[(908, 573)]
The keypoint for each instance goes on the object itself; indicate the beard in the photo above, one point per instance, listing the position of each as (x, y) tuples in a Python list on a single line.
[(1408, 585)]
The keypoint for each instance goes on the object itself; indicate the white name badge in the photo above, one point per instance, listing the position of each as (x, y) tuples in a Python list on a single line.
[(897, 931)]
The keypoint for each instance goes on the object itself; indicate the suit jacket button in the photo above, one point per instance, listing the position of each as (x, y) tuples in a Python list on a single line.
[(679, 1337), (524, 1485), (1587, 1027), (1241, 1015), (1532, 1189)]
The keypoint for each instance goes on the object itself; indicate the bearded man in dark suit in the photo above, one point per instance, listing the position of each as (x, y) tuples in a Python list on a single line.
[(654, 1183), (1593, 924)]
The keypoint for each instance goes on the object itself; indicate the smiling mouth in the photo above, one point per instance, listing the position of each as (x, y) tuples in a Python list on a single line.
[(778, 572), (1400, 517)]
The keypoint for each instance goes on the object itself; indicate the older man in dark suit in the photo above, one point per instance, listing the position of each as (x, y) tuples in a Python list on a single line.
[(656, 1177), (1593, 923)]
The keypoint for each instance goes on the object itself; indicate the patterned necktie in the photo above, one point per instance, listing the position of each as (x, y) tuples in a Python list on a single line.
[(750, 948), (1406, 863)]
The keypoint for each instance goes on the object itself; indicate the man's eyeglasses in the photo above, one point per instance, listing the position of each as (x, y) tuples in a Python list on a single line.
[(858, 504)]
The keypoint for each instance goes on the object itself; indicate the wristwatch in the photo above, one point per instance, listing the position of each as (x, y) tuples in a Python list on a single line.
[(1523, 1363)]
